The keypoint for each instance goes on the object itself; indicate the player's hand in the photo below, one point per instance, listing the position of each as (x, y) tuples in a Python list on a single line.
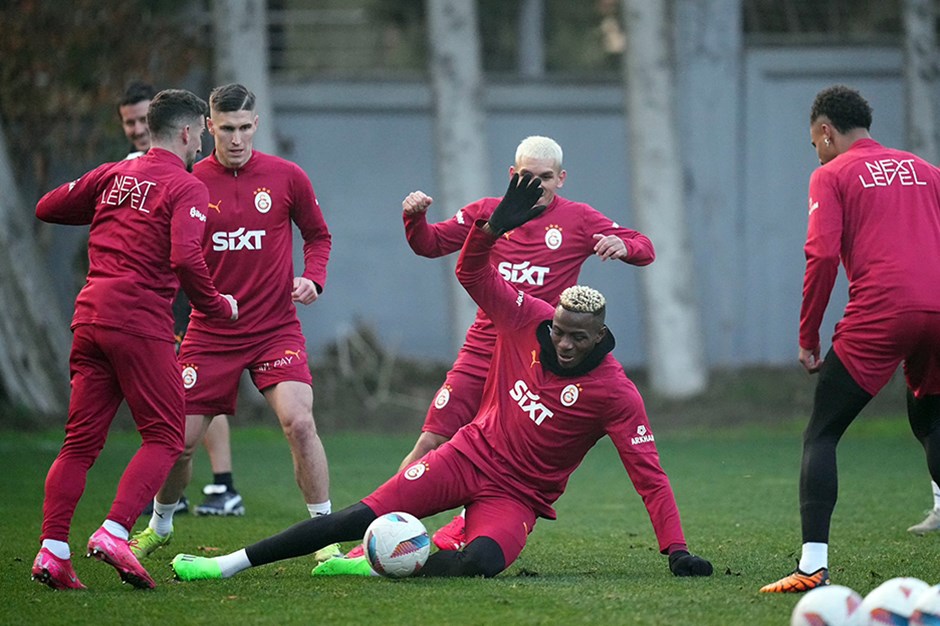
[(234, 304), (681, 563), (416, 202), (518, 205), (810, 359), (609, 247), (304, 291)]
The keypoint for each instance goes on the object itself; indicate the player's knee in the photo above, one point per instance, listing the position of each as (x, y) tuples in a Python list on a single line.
[(483, 557), (299, 426)]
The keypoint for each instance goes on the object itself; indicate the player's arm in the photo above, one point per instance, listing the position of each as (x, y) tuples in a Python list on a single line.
[(612, 241), (187, 227), (822, 249), (440, 239), (72, 203), (305, 212), (633, 439)]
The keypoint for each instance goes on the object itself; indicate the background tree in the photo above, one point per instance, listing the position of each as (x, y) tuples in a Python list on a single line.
[(676, 354), (63, 69), (919, 18), (240, 55), (459, 125)]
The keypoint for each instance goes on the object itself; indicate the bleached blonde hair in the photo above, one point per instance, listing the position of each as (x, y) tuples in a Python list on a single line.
[(583, 299), (538, 147)]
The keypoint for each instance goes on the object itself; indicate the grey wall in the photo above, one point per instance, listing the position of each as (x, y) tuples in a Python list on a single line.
[(364, 159), (746, 154)]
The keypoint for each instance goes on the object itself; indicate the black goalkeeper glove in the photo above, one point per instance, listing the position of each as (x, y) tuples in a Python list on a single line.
[(517, 206), (681, 563)]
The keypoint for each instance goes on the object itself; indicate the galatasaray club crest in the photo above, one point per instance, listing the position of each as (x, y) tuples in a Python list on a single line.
[(553, 236), (189, 376), (263, 200), (416, 471), (442, 397), (570, 394)]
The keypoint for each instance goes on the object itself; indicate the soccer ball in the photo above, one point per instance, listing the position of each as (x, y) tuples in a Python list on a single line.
[(396, 544), (927, 608), (891, 602), (832, 605)]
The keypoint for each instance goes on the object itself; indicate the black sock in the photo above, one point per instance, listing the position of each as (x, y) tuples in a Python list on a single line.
[(224, 478)]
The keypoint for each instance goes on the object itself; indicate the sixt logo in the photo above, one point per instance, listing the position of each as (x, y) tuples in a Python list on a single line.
[(523, 272), (529, 402), (240, 239)]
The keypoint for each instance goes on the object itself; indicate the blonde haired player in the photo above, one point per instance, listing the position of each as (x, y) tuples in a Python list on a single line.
[(541, 258)]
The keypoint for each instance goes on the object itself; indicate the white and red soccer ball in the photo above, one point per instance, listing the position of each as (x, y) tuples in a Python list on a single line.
[(927, 608), (892, 602), (396, 545), (832, 605)]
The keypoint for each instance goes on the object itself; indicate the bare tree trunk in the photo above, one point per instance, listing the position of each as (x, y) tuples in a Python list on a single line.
[(920, 77), (34, 339), (676, 354), (459, 125), (240, 28)]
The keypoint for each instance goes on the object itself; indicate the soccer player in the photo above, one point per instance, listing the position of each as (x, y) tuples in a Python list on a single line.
[(254, 199), (221, 496), (554, 386), (877, 209), (541, 258), (132, 109), (147, 220)]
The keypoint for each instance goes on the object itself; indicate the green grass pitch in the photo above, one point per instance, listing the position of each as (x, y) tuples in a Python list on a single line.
[(597, 564)]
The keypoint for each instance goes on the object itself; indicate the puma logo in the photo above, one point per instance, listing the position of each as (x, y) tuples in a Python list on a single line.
[(216, 206)]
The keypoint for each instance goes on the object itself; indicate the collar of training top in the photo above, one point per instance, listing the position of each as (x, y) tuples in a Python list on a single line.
[(549, 357)]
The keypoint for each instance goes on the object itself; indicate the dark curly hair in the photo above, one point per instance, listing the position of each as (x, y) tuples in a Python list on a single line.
[(845, 108)]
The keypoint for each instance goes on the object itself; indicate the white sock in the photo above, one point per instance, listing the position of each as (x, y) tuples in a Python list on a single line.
[(58, 548), (463, 513), (116, 529), (320, 508), (233, 563), (936, 495), (815, 555), (162, 519)]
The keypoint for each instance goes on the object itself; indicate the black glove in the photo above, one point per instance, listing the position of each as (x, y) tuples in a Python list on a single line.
[(516, 208), (681, 563)]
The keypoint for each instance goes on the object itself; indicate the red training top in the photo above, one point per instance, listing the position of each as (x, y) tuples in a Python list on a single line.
[(534, 426), (249, 241), (147, 219), (542, 258), (878, 210)]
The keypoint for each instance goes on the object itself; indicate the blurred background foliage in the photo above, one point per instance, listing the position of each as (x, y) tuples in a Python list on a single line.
[(66, 64)]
